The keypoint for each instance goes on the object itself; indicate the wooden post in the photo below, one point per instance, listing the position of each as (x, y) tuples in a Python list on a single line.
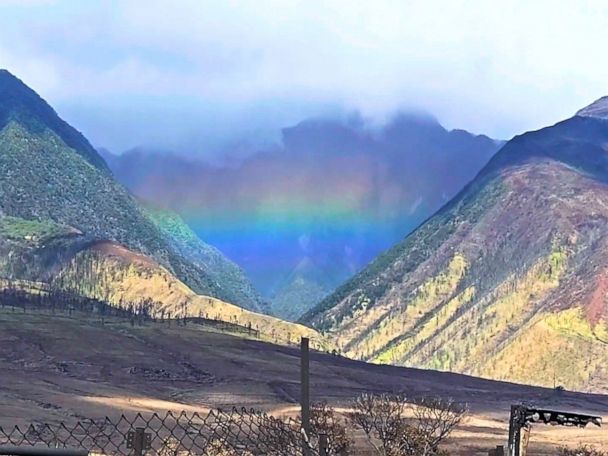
[(305, 393), (525, 438), (518, 431)]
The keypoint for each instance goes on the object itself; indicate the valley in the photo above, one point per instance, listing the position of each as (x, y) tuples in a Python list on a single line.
[(111, 304), (290, 228), (303, 215)]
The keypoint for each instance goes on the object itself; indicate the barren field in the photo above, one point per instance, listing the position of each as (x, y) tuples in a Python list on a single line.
[(59, 368)]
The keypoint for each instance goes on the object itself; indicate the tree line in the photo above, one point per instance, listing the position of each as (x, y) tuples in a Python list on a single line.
[(54, 299)]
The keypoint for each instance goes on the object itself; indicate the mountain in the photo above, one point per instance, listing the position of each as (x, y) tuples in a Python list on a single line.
[(21, 106), (231, 279), (112, 273), (58, 197), (508, 280), (307, 282), (332, 195)]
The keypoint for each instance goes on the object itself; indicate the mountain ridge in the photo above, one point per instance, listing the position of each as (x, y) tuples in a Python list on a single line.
[(21, 103), (597, 109), (44, 178), (516, 257), (352, 190)]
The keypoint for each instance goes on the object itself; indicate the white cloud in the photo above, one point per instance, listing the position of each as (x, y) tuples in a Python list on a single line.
[(492, 67)]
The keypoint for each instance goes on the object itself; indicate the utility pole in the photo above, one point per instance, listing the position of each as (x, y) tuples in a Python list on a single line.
[(305, 394)]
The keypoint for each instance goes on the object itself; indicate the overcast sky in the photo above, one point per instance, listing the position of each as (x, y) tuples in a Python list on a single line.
[(200, 74)]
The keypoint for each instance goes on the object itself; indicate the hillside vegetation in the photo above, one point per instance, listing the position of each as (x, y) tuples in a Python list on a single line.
[(112, 273), (508, 280), (67, 226), (49, 173), (305, 214), (235, 286)]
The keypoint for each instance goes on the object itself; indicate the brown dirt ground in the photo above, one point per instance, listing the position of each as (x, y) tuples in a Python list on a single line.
[(58, 368)]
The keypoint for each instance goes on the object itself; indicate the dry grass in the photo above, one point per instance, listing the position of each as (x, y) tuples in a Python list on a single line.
[(117, 275)]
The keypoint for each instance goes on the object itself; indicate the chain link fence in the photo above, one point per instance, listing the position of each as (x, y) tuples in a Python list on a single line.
[(238, 432)]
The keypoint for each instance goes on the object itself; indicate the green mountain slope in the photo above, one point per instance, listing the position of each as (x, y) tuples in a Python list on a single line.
[(509, 280), (236, 287), (50, 173), (113, 274), (42, 257), (20, 104), (308, 283)]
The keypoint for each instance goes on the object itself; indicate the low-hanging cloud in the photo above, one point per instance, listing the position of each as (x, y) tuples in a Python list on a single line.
[(192, 72)]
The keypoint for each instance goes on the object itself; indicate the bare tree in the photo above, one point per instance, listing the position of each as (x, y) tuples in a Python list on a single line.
[(381, 419), (325, 420), (581, 450), (434, 420), (393, 432)]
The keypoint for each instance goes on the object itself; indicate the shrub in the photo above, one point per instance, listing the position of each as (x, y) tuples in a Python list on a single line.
[(325, 420), (390, 433), (581, 450)]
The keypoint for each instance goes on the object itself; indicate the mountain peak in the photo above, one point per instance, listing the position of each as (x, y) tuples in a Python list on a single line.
[(453, 293), (15, 93), (597, 109), (8, 76), (19, 103)]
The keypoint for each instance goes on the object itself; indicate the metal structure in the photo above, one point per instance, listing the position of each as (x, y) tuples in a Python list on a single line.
[(522, 418), (139, 441), (230, 433)]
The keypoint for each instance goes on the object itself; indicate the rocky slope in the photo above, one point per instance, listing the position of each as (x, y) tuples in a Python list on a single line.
[(508, 280)]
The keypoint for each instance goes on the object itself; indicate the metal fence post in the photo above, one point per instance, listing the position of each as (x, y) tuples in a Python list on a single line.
[(498, 451), (323, 445), (305, 393), (519, 431), (515, 425), (139, 441)]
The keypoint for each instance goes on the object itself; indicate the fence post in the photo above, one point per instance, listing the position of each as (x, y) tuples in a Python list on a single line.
[(519, 431), (139, 441), (323, 447), (305, 393), (498, 451)]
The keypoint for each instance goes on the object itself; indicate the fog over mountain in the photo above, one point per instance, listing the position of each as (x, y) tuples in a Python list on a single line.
[(304, 216), (199, 76)]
